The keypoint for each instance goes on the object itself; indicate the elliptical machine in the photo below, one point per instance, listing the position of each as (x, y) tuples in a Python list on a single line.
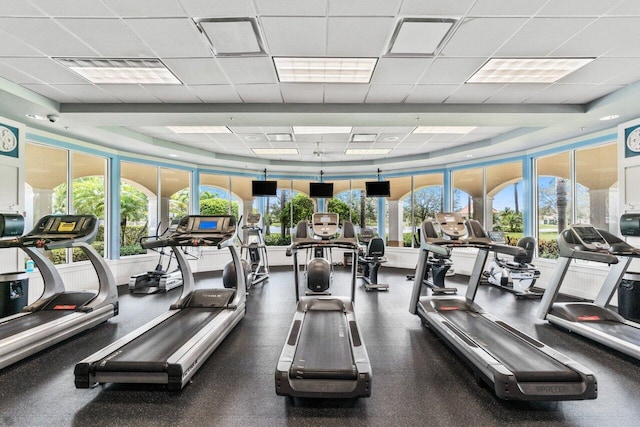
[(370, 258), (517, 276), (253, 249), (161, 278)]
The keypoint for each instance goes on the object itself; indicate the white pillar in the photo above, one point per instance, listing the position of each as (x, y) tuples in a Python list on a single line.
[(395, 222)]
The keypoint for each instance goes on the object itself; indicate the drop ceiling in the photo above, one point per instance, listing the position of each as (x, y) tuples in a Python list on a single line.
[(242, 92)]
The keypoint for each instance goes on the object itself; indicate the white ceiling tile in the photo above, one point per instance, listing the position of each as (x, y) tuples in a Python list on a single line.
[(201, 138), (72, 7), (505, 8), (259, 93), (399, 70), (249, 70), (46, 35), (627, 77), (600, 70), (19, 8), (436, 7), (196, 71), (627, 49), (593, 93), (473, 93), (161, 8), (51, 93), (626, 8), (358, 37), (515, 93), (383, 94), (109, 37), (367, 129), (278, 31), (430, 94), (224, 138), (577, 7), (87, 93), (172, 93), (363, 7), (130, 93), (152, 130), (276, 129), (218, 8), (45, 69), (216, 93), (481, 36), (451, 70), (15, 75), (302, 92), (557, 93), (540, 36), (601, 36), (291, 7), (174, 37), (345, 93)]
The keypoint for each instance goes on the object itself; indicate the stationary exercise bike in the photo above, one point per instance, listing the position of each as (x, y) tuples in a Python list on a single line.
[(370, 258), (161, 278), (518, 275)]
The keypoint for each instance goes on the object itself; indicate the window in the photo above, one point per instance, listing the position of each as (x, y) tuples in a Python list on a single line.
[(504, 199), (175, 194), (216, 197), (428, 195), (468, 193), (138, 206)]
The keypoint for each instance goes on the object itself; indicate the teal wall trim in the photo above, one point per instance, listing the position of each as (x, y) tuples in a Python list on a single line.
[(195, 193), (114, 208), (528, 183), (446, 205)]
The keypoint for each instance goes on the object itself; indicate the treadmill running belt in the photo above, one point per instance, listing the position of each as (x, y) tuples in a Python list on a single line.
[(525, 361), (24, 323), (616, 329), (324, 349), (160, 342)]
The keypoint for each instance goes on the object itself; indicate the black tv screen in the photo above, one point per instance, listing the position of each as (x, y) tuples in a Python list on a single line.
[(321, 189), (378, 188), (263, 188)]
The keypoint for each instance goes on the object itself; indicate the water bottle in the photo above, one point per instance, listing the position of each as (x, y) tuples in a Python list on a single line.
[(30, 266)]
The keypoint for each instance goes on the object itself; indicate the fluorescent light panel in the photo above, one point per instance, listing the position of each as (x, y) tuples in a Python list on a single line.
[(280, 137), (317, 130), (200, 129), (268, 151), (325, 70), (354, 151), (363, 137), (121, 71), (527, 70), (233, 36), (459, 130), (419, 37)]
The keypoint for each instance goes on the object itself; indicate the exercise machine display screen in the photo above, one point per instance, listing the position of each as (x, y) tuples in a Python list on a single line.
[(451, 224), (66, 227), (325, 224), (208, 225), (589, 236)]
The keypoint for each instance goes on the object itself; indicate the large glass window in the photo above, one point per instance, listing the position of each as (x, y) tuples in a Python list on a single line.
[(504, 199), (216, 197), (398, 226), (468, 193), (175, 193), (138, 206), (46, 170), (597, 187), (554, 200), (427, 200)]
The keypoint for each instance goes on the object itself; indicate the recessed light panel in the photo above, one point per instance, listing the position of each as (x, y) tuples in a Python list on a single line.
[(280, 137), (268, 151), (419, 37), (355, 151), (363, 137), (121, 71), (461, 130), (611, 117), (233, 36), (325, 70), (199, 129), (318, 130), (527, 70)]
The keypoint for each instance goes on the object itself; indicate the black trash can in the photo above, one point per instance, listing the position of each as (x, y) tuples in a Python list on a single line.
[(629, 297), (14, 292)]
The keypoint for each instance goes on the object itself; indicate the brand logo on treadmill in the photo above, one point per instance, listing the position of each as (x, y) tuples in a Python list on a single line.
[(111, 356), (211, 295), (189, 369), (552, 389)]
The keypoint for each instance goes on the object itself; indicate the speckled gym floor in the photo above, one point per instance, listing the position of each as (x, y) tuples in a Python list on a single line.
[(417, 380)]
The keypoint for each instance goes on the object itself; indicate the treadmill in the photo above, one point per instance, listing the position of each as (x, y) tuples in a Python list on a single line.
[(58, 314), (515, 365), (324, 356), (171, 348), (593, 320)]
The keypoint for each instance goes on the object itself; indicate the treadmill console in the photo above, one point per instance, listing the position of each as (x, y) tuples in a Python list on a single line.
[(589, 236), (253, 220), (197, 230), (451, 225), (325, 225), (59, 228)]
